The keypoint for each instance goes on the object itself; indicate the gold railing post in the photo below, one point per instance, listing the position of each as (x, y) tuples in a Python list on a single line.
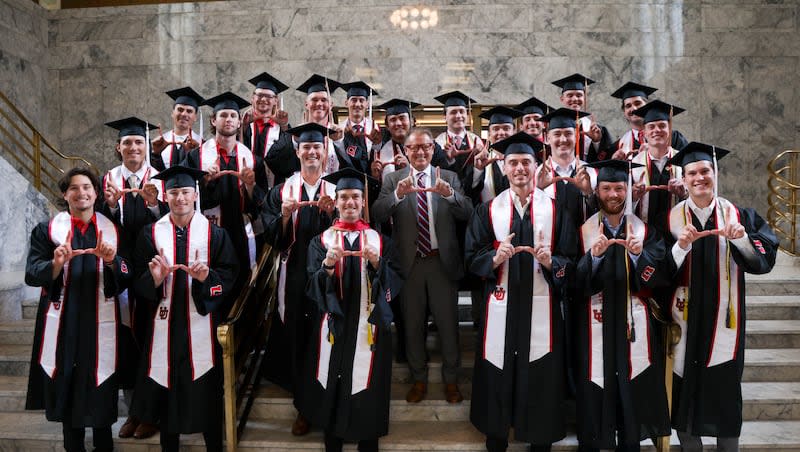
[(225, 337), (793, 199), (37, 160)]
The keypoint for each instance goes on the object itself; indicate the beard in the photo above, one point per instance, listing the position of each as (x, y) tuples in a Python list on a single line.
[(609, 209), (228, 133)]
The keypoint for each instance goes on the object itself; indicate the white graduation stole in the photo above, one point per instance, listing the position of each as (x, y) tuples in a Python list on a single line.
[(115, 175), (201, 330), (502, 211), (364, 355), (106, 308), (169, 136), (273, 132), (292, 188), (244, 157), (386, 154), (643, 158), (639, 346), (725, 339), (488, 191)]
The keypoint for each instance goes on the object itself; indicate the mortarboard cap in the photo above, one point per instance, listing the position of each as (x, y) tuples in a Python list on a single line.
[(658, 111), (533, 105), (358, 88), (310, 132), (696, 152), (186, 96), (520, 143), (455, 99), (612, 170), (226, 101), (501, 115), (562, 118), (347, 178), (131, 126), (177, 176), (317, 83), (573, 82), (398, 106), (633, 89), (267, 81)]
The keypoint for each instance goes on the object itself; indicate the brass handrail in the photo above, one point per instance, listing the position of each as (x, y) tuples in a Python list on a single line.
[(784, 198), (243, 336), (30, 153)]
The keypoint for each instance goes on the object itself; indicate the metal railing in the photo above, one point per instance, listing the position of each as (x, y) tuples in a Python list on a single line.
[(30, 153), (784, 198), (243, 336)]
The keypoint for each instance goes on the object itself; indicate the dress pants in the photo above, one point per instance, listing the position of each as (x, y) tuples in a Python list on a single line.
[(74, 438), (170, 442), (334, 444), (501, 444)]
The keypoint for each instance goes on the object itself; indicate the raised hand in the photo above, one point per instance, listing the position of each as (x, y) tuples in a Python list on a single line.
[(159, 268), (371, 253), (582, 180), (63, 253), (326, 204), (150, 194), (594, 132), (112, 193), (247, 175), (335, 252), (733, 231), (601, 244), (376, 168), (677, 188), (289, 205), (159, 144), (504, 251), (639, 188), (481, 160), (281, 118), (542, 251), (690, 234), (545, 176), (375, 135), (337, 133), (442, 187), (400, 161), (190, 143), (632, 243), (405, 186)]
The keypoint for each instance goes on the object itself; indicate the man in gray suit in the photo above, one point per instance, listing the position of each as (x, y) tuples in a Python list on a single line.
[(424, 203)]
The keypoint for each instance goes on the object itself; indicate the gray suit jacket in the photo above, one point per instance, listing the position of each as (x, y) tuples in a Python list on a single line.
[(404, 217)]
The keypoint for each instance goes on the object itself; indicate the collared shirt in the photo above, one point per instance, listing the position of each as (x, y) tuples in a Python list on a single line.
[(126, 174), (703, 214), (311, 190), (521, 204), (427, 181), (660, 163), (614, 230), (565, 171)]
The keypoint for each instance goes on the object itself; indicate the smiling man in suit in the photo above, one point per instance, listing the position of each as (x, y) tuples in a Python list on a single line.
[(424, 204)]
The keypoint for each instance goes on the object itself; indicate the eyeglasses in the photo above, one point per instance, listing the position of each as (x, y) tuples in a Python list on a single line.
[(265, 96), (419, 147)]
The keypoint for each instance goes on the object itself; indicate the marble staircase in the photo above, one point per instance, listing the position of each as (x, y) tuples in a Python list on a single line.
[(771, 390)]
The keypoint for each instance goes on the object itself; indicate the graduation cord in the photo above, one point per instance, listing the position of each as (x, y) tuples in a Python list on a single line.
[(631, 327)]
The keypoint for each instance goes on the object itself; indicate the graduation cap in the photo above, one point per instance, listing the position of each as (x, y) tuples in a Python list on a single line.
[(520, 143), (267, 81), (532, 106), (358, 88), (573, 82), (697, 152), (311, 132), (633, 89), (317, 83), (455, 99), (658, 111), (349, 178), (501, 115), (613, 170), (398, 107), (226, 101), (178, 176), (186, 96), (131, 126), (562, 118)]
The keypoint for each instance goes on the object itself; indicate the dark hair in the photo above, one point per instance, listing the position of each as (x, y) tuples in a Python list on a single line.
[(64, 182)]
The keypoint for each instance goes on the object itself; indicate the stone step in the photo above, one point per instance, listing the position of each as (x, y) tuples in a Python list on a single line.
[(772, 364), (15, 360), (773, 307), (19, 332), (29, 431), (29, 308), (773, 334)]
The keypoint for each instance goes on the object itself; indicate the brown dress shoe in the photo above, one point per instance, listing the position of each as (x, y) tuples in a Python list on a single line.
[(452, 394), (129, 427), (417, 392), (145, 430), (300, 426)]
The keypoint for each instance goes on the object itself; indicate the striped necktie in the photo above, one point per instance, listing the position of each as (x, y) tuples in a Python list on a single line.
[(423, 221)]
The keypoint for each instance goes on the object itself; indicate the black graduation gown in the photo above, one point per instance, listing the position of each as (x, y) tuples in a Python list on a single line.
[(714, 394), (189, 406), (570, 198), (659, 201), (134, 215), (282, 158), (260, 153), (637, 407), (603, 150), (233, 203), (354, 153), (364, 415), (500, 182), (72, 396), (286, 346), (526, 396), (678, 142)]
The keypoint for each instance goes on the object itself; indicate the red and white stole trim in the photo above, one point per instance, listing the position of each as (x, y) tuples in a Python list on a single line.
[(273, 132), (201, 331), (501, 215), (368, 125), (115, 175), (106, 308), (725, 340), (386, 154), (639, 349), (244, 157), (292, 189), (364, 356), (488, 190), (169, 137), (643, 158)]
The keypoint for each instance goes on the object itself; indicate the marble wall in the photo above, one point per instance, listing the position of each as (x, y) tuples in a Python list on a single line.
[(732, 63)]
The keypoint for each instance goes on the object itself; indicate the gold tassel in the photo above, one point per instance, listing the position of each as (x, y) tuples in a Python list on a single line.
[(330, 337), (731, 321)]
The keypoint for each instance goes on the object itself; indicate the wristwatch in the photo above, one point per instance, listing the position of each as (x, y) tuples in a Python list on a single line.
[(326, 267)]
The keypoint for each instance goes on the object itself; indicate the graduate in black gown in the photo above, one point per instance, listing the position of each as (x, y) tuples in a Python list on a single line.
[(188, 268), (485, 177), (713, 244), (296, 211), (458, 143), (360, 133), (595, 140), (133, 199), (171, 148), (229, 195), (264, 124), (352, 281), (73, 259), (618, 359), (524, 248)]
